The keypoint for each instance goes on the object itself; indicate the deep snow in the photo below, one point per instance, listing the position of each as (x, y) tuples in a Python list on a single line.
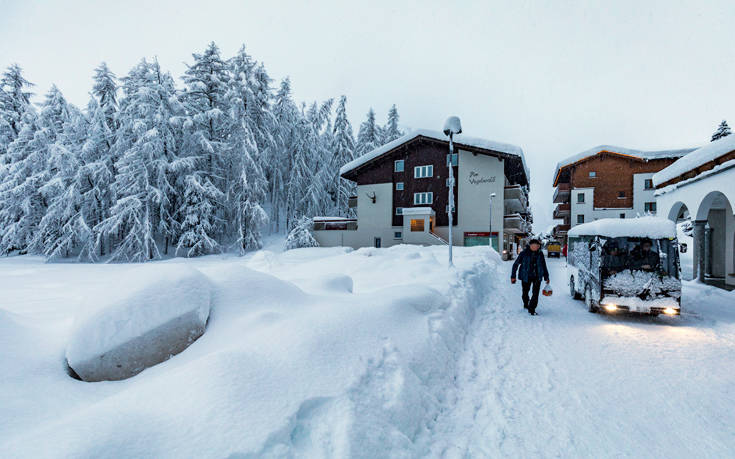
[(335, 353)]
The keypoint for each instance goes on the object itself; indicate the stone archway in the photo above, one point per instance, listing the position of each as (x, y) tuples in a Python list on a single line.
[(714, 225), (679, 212)]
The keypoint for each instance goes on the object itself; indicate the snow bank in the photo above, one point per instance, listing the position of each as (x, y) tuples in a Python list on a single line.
[(650, 227), (151, 314), (707, 153), (292, 363)]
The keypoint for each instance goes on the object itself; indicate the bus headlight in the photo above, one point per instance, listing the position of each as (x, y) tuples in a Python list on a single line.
[(610, 307), (670, 311)]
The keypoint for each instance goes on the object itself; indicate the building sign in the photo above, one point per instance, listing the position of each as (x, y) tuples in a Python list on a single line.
[(477, 179)]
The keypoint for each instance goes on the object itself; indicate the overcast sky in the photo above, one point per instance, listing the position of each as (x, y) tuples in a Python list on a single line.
[(555, 78)]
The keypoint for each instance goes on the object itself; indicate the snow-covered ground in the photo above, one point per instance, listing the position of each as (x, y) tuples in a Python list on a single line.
[(368, 353)]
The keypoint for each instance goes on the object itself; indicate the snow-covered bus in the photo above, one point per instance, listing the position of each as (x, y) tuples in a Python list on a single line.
[(625, 265)]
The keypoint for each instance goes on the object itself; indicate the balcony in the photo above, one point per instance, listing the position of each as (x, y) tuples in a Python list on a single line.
[(562, 192), (515, 200), (561, 230), (334, 224), (562, 210), (516, 224)]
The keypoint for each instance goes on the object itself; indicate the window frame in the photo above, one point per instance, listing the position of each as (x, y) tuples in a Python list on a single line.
[(402, 163), (592, 174), (400, 186), (580, 195), (646, 182), (425, 171), (397, 234), (649, 206), (578, 217), (429, 194), (399, 211)]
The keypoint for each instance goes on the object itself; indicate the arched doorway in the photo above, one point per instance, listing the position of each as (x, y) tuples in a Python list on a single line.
[(679, 214), (715, 221)]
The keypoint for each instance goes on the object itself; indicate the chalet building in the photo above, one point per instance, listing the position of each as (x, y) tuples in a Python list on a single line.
[(701, 187), (607, 182), (402, 195)]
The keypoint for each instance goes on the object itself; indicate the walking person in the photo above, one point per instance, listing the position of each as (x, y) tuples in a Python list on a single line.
[(531, 268)]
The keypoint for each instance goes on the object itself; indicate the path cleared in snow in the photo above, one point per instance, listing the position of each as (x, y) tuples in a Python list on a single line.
[(571, 382)]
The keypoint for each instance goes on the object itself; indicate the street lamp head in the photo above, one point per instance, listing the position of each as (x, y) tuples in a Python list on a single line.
[(452, 126), (492, 195)]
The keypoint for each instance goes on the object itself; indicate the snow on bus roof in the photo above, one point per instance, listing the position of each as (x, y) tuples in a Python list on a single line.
[(707, 153), (459, 140), (658, 154), (650, 227)]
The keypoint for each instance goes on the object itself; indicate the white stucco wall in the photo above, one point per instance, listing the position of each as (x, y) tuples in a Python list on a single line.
[(640, 194), (478, 176)]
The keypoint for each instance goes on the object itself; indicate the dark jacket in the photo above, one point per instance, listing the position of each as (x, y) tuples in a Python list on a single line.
[(639, 257), (524, 262)]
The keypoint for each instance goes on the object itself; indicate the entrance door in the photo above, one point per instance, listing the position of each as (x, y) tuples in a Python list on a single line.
[(377, 242)]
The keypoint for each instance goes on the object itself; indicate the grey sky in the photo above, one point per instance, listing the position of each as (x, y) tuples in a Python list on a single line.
[(553, 77)]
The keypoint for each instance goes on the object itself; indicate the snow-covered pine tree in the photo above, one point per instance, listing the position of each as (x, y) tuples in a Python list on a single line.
[(206, 139), (723, 130), (300, 236), (146, 144), (29, 171), (369, 136), (14, 101), (391, 131), (280, 159), (63, 228), (343, 151)]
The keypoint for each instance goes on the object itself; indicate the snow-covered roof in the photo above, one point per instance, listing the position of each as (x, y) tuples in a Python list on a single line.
[(646, 155), (459, 141), (417, 210), (651, 227), (698, 157), (333, 219)]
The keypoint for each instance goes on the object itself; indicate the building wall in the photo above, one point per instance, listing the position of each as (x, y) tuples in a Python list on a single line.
[(640, 194), (613, 174), (477, 178)]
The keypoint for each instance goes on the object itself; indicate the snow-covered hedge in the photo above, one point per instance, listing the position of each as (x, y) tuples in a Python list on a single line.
[(300, 236)]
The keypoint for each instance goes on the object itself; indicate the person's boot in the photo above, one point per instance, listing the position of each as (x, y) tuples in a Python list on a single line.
[(532, 312)]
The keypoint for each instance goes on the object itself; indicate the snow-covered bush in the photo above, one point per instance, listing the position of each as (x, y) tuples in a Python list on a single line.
[(300, 236)]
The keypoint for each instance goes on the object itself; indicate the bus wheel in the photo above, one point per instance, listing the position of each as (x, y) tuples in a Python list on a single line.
[(573, 291), (589, 301)]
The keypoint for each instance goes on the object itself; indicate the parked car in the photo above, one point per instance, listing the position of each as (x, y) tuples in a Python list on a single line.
[(553, 249), (627, 265)]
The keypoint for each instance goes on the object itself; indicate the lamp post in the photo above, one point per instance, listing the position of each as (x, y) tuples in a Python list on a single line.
[(490, 226), (451, 126)]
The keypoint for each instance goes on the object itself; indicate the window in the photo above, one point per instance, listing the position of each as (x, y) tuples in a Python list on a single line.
[(397, 235), (377, 243), (417, 224), (454, 159), (580, 197), (423, 171), (622, 215), (648, 184), (399, 186), (446, 209), (423, 198), (593, 174), (580, 219), (650, 207), (398, 166), (621, 194), (399, 210)]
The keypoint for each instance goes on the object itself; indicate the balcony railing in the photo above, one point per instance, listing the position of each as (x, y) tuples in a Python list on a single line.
[(562, 210), (562, 192), (334, 223), (561, 230), (515, 200), (515, 223)]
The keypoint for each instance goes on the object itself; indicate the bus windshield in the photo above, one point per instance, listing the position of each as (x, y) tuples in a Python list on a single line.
[(639, 254)]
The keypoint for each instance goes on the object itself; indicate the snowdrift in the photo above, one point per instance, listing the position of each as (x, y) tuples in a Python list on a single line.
[(315, 352), (151, 314)]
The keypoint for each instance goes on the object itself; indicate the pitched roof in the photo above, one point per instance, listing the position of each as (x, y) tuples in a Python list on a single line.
[(459, 141), (698, 157), (640, 154)]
